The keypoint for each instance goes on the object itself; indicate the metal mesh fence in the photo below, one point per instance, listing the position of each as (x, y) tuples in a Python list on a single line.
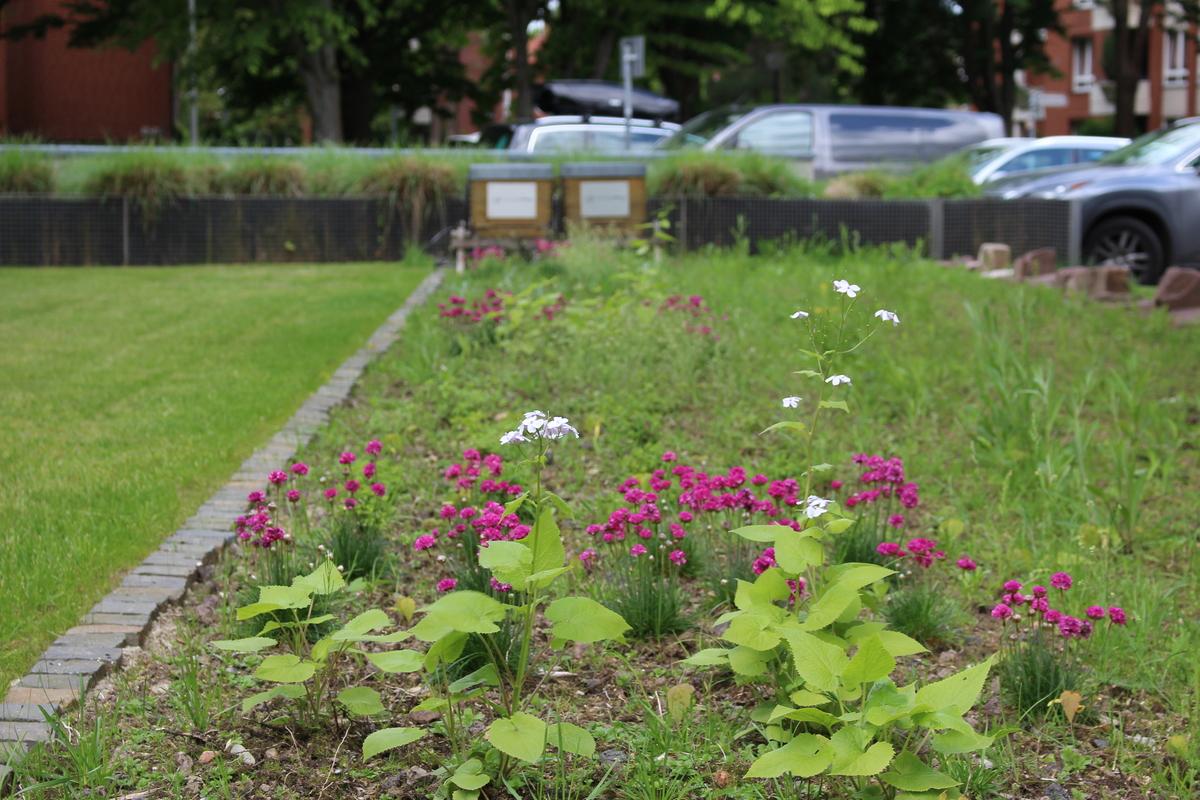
[(64, 231)]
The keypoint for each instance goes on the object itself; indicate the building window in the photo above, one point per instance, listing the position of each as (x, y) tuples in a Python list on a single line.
[(1082, 77), (1175, 71)]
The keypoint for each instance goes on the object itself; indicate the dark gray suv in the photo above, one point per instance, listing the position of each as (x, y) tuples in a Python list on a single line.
[(1140, 205)]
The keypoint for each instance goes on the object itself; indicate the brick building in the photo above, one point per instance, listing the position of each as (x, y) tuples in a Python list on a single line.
[(1082, 91), (62, 94)]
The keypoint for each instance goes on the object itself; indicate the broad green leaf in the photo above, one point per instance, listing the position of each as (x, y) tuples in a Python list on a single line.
[(708, 657), (748, 662), (514, 505), (364, 623), (583, 620), (470, 775), (510, 562), (829, 606), (807, 754), (285, 669), (250, 645), (290, 692), (813, 715), (836, 526), (571, 738), (484, 676), (808, 373), (325, 579), (397, 660), (559, 504), (521, 736), (361, 701), (819, 663), (431, 704), (758, 533), (445, 650), (871, 662), (321, 650), (275, 625), (406, 606), (957, 741), (766, 590), (894, 642), (795, 552), (790, 425), (755, 628), (389, 738), (276, 598), (886, 703), (544, 578), (546, 542), (913, 775), (856, 576), (465, 612), (680, 699), (839, 405), (958, 692), (803, 697), (851, 756)]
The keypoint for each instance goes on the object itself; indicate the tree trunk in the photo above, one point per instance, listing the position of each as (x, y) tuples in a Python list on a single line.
[(604, 51), (1126, 75), (518, 30), (357, 108), (1008, 68)]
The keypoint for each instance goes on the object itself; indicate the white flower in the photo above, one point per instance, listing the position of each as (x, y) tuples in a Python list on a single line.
[(532, 422), (559, 428), (792, 402), (799, 314), (816, 506), (512, 437), (888, 316), (847, 288), (838, 380)]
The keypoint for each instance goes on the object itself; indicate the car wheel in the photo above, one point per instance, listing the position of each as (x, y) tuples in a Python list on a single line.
[(1127, 242)]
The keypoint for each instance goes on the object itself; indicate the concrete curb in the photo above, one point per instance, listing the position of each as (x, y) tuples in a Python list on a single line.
[(84, 654)]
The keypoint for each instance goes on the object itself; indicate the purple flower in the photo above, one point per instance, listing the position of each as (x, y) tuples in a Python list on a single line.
[(369, 469), (374, 447), (1039, 591), (1001, 611), (350, 502), (587, 557), (353, 486), (1052, 616), (1060, 580), (1095, 612), (277, 478), (637, 550), (967, 564), (330, 494), (425, 541), (889, 549), (446, 584), (255, 497), (1116, 615), (379, 489), (299, 468), (896, 520), (678, 557), (293, 495), (1012, 586), (347, 458)]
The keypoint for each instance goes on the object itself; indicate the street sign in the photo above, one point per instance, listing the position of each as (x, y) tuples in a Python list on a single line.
[(633, 48)]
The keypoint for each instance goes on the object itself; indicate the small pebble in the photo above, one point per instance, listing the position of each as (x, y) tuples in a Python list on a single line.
[(207, 756), (271, 755)]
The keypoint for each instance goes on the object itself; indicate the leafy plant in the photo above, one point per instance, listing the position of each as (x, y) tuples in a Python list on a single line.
[(529, 565), (25, 173)]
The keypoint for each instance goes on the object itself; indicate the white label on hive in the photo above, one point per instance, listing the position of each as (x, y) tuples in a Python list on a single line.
[(604, 198), (512, 200)]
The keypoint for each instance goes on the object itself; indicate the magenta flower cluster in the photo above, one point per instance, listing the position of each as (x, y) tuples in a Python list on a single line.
[(1038, 600), (922, 551), (885, 479), (490, 308), (482, 473), (700, 317), (257, 526)]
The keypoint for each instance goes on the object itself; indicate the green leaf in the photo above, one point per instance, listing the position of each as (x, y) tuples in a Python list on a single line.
[(521, 736), (913, 775), (819, 663), (470, 775), (856, 576), (755, 628), (275, 625), (510, 562), (484, 676), (959, 741), (807, 754), (445, 650), (250, 645), (514, 505), (465, 612), (758, 533), (839, 405), (559, 504), (795, 552), (958, 692), (851, 756), (290, 692), (544, 578), (808, 373), (894, 642), (325, 579), (803, 697), (285, 669), (361, 701), (871, 662), (276, 598), (389, 738), (546, 542), (829, 606), (397, 660), (583, 620), (571, 738), (708, 657), (789, 425), (887, 704), (364, 623), (836, 526), (813, 715), (747, 662), (768, 589)]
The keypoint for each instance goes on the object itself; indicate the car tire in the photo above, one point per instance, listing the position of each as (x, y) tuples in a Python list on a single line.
[(1128, 242)]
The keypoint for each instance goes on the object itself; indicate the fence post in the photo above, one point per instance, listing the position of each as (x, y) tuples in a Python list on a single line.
[(937, 229), (125, 231), (1074, 233)]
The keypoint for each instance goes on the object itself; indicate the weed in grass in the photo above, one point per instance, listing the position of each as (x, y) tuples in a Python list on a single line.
[(977, 777), (645, 591), (925, 612), (75, 760), (1033, 674), (191, 694)]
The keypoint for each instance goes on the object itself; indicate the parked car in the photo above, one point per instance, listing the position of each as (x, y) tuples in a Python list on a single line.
[(1139, 206), (570, 134), (838, 139), (999, 158)]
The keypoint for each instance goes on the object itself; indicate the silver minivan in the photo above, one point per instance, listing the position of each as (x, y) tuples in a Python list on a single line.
[(830, 139)]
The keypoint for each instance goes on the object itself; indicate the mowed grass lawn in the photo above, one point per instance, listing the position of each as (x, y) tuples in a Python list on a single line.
[(129, 395)]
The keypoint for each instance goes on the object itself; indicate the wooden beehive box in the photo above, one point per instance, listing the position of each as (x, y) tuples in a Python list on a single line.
[(511, 200), (607, 195)]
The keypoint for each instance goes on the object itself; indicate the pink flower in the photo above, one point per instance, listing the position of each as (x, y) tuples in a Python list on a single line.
[(378, 489), (353, 486), (1069, 627), (678, 557), (1001, 611), (669, 456), (896, 520), (347, 458), (1116, 615), (374, 447), (369, 469), (1018, 599), (425, 541), (1040, 604), (835, 485), (277, 478), (446, 584), (255, 497), (497, 586), (889, 549), (468, 512), (1039, 591), (350, 502), (1095, 612), (637, 550), (293, 495), (448, 511), (685, 516), (967, 564), (587, 557), (1052, 616), (1012, 586), (299, 468), (1060, 580), (330, 494)]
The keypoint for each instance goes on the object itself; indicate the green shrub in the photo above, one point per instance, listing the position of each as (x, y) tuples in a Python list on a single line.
[(413, 185), (266, 176), (149, 178), (692, 177), (925, 613), (945, 178), (1033, 674), (25, 173), (858, 186)]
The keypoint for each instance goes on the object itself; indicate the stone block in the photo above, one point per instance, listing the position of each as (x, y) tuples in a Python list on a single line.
[(74, 683), (993, 255), (57, 652), (154, 582), (132, 633), (26, 712), (169, 570), (24, 732), (111, 605), (1178, 290), (111, 640), (140, 621), (68, 666), (160, 558), (31, 695)]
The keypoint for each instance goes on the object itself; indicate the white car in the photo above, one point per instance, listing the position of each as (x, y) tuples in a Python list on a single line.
[(999, 158)]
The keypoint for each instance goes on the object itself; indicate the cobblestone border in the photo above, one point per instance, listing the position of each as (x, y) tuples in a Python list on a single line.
[(76, 660)]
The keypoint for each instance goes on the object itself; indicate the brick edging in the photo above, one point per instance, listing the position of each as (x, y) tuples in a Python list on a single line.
[(76, 660)]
